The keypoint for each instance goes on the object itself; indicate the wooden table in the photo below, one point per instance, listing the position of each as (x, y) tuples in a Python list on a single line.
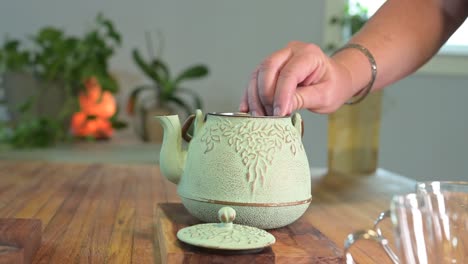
[(98, 213)]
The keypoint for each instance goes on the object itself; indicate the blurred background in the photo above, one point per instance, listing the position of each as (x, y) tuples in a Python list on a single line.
[(215, 44)]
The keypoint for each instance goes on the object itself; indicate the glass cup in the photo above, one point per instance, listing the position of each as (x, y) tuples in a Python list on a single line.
[(429, 226)]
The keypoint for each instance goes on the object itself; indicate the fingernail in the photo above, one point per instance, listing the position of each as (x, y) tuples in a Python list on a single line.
[(277, 111)]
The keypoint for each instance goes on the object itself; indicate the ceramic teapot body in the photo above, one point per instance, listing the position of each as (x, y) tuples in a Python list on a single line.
[(257, 165)]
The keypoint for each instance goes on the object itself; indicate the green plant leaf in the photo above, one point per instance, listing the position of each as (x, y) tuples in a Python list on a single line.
[(12, 58), (196, 98), (193, 72), (36, 132), (115, 122), (48, 35), (356, 23), (161, 67), (111, 32), (11, 45), (134, 95), (107, 82), (146, 68), (118, 124), (26, 105), (188, 110)]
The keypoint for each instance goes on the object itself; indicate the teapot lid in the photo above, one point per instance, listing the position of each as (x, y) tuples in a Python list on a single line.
[(226, 235)]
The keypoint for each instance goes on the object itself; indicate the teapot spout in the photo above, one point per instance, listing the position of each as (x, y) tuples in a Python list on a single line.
[(172, 157)]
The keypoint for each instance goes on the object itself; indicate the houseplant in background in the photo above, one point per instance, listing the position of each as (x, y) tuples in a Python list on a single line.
[(350, 21), (167, 97), (46, 76), (353, 130)]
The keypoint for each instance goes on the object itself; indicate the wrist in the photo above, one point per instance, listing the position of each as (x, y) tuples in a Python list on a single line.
[(360, 65)]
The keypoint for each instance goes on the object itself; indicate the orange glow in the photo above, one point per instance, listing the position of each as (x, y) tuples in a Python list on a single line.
[(97, 107)]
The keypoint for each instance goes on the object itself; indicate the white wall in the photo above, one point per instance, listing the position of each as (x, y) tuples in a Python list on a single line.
[(425, 118), (425, 127)]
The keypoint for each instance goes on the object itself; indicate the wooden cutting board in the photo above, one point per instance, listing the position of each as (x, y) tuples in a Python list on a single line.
[(297, 243), (19, 240)]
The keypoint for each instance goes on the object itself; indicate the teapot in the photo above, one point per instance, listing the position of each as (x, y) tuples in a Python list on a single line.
[(256, 165)]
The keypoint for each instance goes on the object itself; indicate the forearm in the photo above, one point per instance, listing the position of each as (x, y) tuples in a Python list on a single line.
[(402, 36)]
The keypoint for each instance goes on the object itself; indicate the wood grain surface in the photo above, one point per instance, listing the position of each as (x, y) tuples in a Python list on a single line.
[(297, 243), (19, 239), (103, 213)]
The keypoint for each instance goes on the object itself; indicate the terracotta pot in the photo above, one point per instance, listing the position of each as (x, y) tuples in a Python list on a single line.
[(19, 87)]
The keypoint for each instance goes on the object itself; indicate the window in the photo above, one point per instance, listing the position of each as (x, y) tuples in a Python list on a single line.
[(452, 59), (457, 44)]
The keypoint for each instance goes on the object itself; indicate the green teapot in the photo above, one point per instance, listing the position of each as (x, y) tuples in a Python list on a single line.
[(256, 165)]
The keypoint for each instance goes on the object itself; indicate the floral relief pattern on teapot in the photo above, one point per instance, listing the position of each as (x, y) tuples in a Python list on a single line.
[(256, 143), (235, 235), (226, 235), (256, 165)]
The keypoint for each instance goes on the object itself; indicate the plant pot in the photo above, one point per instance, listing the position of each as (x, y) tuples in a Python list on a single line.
[(146, 126), (49, 97)]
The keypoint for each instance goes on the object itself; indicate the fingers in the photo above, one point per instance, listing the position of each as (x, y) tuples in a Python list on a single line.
[(295, 77), (267, 77), (261, 89), (253, 99), (244, 104), (310, 97), (296, 71)]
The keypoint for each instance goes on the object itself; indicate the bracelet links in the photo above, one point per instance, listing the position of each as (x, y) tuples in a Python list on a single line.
[(364, 91)]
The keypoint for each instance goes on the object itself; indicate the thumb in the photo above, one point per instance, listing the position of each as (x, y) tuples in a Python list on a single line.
[(312, 97)]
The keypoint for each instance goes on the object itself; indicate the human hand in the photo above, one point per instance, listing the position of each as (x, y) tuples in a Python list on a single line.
[(299, 76)]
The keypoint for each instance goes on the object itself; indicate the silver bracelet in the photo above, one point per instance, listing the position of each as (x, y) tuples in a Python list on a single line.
[(364, 91)]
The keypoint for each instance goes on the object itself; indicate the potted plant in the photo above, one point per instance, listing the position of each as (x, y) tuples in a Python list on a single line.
[(350, 22), (46, 80), (168, 96)]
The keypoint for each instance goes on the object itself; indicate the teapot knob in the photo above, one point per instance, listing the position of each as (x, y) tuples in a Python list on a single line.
[(226, 215)]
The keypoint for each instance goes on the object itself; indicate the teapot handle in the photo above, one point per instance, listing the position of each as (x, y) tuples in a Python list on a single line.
[(298, 123), (185, 127)]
